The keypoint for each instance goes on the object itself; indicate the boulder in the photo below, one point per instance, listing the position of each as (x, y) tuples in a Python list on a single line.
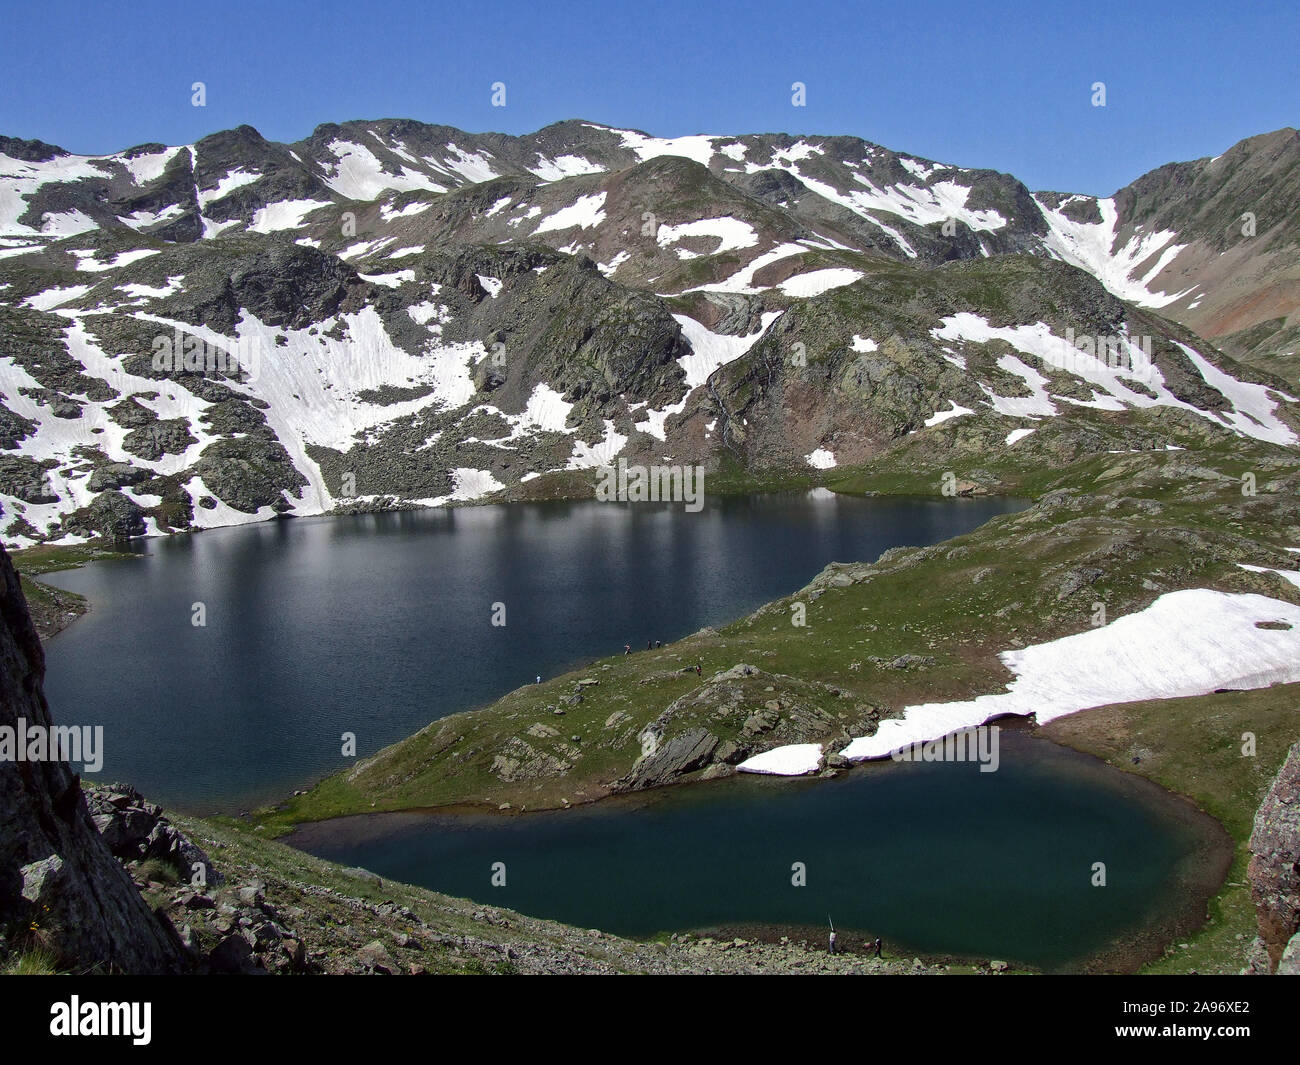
[(684, 753)]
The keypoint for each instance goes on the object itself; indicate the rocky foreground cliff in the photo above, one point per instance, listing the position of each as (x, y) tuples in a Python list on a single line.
[(1275, 869), (61, 890)]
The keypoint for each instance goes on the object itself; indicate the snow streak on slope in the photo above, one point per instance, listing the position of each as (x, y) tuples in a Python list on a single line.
[(20, 179), (731, 233), (235, 179), (564, 166), (709, 350), (698, 148), (584, 212), (359, 175), (1254, 407), (1091, 247), (816, 282), (287, 214)]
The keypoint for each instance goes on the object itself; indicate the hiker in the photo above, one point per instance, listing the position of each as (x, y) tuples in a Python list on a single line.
[(698, 670), (539, 679), (627, 648), (832, 941), (876, 946), (647, 645), (658, 644)]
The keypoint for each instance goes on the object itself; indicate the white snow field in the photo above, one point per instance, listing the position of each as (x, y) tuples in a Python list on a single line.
[(583, 213), (815, 282), (941, 416), (1091, 247), (730, 233), (1185, 643), (1254, 412)]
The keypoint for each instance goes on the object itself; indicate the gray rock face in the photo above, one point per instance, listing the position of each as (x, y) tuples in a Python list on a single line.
[(684, 753), (115, 475), (1274, 869), (1290, 963), (56, 872)]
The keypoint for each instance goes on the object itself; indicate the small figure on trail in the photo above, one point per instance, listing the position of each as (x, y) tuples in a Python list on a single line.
[(658, 644), (876, 946), (699, 670), (647, 645), (539, 679), (627, 648), (832, 939)]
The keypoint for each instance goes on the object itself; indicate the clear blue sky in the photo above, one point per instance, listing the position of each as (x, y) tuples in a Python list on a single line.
[(1004, 85)]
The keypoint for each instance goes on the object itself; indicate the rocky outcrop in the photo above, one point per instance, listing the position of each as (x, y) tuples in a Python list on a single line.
[(111, 514), (61, 890), (1275, 866), (748, 711), (136, 829), (682, 754)]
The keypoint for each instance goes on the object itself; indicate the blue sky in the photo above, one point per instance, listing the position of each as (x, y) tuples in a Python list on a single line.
[(1006, 86)]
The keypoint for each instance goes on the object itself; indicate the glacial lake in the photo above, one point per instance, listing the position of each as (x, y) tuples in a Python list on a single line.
[(378, 624), (934, 858)]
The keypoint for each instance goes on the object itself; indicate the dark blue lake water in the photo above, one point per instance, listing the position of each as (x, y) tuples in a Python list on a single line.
[(933, 857), (378, 624)]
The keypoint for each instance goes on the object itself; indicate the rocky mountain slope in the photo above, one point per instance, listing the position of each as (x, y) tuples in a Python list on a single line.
[(390, 313)]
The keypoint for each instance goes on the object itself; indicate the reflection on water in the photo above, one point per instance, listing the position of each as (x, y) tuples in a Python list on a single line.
[(378, 624)]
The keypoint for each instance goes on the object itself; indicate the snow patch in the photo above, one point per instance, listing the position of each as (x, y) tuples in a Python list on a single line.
[(792, 760), (1186, 643)]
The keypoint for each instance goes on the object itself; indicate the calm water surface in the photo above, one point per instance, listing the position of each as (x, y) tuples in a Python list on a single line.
[(378, 624), (933, 858)]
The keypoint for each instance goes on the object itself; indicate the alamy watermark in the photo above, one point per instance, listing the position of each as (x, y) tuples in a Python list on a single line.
[(651, 484), (187, 353), (979, 744), (1080, 352), (53, 743), (77, 1018)]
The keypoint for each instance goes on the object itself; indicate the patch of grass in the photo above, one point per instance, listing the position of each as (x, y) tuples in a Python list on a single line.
[(160, 870), (53, 609), (36, 961), (48, 558)]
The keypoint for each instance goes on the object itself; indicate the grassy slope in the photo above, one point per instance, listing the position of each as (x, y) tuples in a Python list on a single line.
[(960, 603)]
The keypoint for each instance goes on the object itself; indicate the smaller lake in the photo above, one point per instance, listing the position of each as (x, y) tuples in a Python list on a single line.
[(934, 858)]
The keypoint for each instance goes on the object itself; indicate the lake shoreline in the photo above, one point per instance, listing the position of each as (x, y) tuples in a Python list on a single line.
[(1230, 578), (1200, 876)]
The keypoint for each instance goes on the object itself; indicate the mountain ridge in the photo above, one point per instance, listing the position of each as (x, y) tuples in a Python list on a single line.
[(420, 316)]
